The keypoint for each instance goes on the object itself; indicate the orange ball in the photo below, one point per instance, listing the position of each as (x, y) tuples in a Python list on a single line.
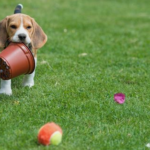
[(50, 133)]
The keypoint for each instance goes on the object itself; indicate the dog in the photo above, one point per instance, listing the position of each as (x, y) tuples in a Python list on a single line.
[(21, 28)]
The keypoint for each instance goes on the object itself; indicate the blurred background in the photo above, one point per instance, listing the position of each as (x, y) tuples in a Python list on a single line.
[(95, 48)]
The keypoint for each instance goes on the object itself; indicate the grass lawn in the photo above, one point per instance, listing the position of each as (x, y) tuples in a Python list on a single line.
[(95, 48)]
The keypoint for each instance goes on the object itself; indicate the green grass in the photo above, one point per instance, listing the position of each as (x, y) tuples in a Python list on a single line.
[(77, 91)]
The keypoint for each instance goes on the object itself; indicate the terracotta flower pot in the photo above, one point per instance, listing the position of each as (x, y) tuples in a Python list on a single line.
[(15, 60)]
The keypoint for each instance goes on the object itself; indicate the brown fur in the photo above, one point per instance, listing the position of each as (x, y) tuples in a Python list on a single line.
[(36, 34)]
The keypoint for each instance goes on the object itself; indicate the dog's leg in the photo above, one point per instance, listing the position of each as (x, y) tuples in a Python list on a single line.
[(29, 79), (5, 87)]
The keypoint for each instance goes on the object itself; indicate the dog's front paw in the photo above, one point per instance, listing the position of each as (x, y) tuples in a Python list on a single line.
[(28, 80), (7, 92), (29, 84)]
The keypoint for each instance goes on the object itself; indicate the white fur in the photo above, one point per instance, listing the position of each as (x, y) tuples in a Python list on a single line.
[(21, 30), (21, 5), (29, 78), (5, 87)]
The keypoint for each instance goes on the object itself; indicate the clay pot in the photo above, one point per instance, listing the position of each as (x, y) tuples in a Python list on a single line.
[(15, 60)]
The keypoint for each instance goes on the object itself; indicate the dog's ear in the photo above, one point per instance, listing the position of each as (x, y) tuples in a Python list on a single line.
[(3, 33), (39, 38)]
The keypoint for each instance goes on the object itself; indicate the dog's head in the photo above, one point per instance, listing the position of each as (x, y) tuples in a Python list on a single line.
[(21, 28)]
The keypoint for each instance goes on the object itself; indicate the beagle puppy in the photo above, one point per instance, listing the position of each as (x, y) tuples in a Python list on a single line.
[(21, 28)]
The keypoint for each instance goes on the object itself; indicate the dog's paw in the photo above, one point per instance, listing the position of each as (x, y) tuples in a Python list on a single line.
[(6, 92), (28, 80), (28, 84)]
